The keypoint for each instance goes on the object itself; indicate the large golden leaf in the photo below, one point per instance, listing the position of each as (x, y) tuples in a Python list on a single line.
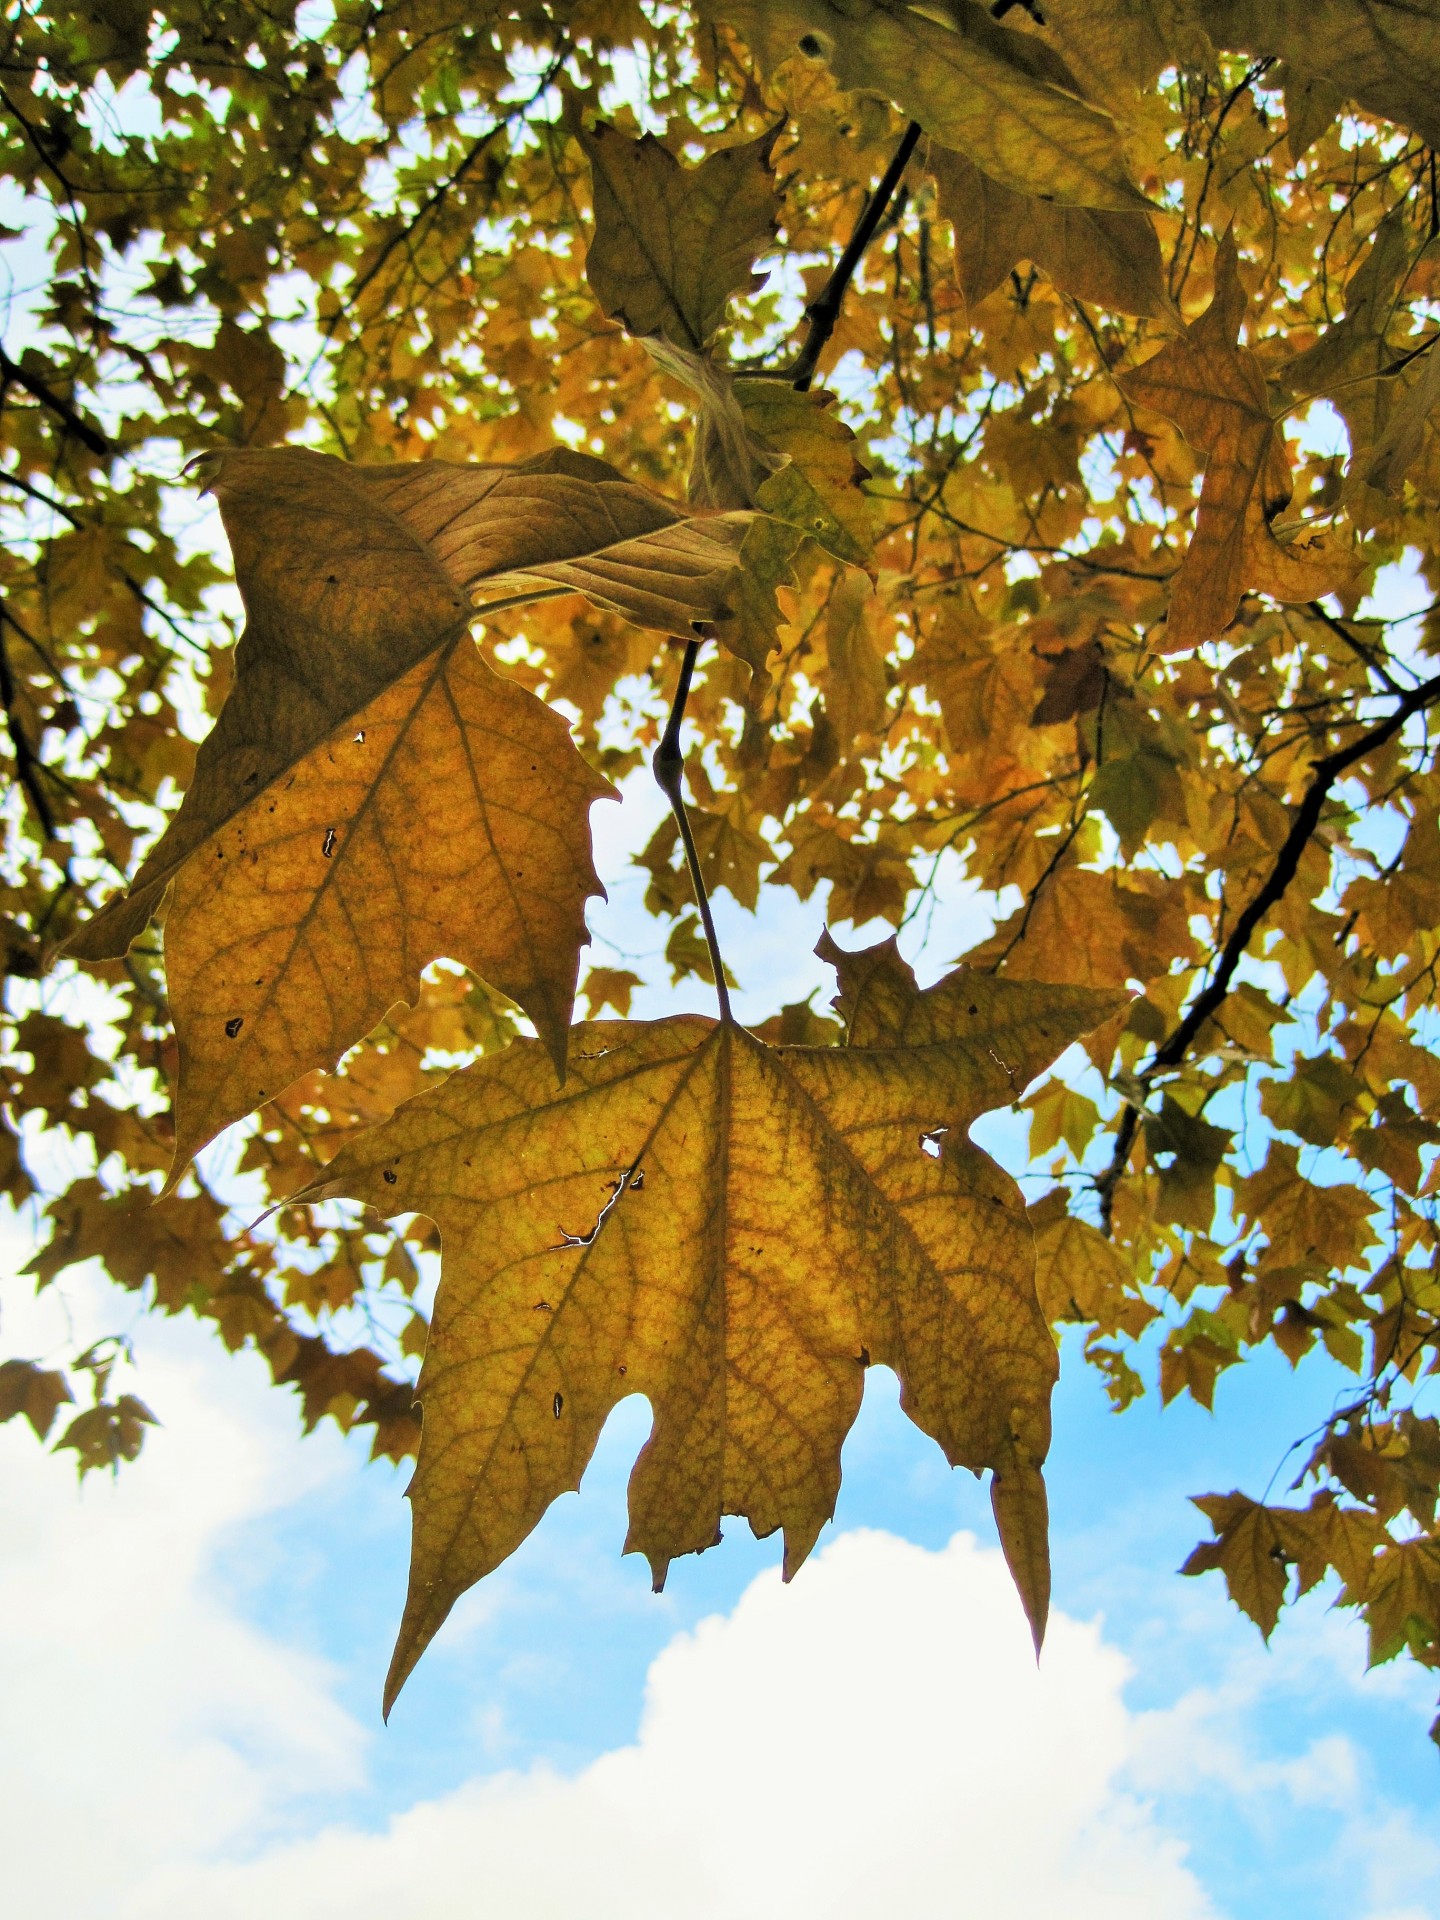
[(1112, 259), (373, 796), (1214, 390), (1121, 46), (735, 1231), (672, 243), (1004, 98)]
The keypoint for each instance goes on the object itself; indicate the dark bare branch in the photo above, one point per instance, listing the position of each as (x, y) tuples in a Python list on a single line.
[(53, 402), (824, 312), (1173, 1048), (28, 768)]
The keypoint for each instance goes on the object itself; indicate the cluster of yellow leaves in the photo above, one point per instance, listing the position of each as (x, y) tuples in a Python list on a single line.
[(1064, 594)]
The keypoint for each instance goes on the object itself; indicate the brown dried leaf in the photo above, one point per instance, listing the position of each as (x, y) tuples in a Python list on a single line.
[(1110, 258), (373, 796)]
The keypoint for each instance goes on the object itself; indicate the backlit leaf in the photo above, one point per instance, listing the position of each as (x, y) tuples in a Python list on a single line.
[(1003, 98), (1214, 390), (35, 1391), (1110, 258), (815, 481), (1386, 463), (672, 243), (1249, 1550), (1383, 54), (735, 1231), (374, 796)]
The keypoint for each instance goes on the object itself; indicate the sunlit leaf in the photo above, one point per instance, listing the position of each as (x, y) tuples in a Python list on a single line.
[(737, 1232)]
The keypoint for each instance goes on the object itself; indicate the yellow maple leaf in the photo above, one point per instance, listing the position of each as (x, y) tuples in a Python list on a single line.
[(1110, 258), (1214, 390), (735, 1231), (1250, 1550), (1004, 98), (672, 243)]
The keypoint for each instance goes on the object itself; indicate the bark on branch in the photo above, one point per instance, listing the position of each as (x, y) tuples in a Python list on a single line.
[(1172, 1050), (53, 402), (27, 767), (824, 312)]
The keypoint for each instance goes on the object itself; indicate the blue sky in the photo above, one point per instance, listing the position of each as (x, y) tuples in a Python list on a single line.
[(194, 1655)]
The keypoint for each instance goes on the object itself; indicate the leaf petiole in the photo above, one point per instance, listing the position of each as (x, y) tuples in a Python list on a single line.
[(668, 765)]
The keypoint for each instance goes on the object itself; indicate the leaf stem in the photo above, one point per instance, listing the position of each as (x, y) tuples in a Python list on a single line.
[(668, 765), (824, 312)]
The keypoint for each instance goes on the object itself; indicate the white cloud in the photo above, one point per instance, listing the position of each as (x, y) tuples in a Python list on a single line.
[(140, 1717), (874, 1738), (1322, 1808)]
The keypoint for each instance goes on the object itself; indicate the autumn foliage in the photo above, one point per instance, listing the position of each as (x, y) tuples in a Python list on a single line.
[(952, 446)]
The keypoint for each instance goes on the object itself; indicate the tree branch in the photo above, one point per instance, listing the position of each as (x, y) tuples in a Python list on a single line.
[(669, 759), (669, 768), (27, 767), (54, 403), (1323, 775), (824, 312), (41, 498), (437, 197)]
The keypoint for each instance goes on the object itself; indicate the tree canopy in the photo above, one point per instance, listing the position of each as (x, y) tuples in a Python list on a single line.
[(983, 429)]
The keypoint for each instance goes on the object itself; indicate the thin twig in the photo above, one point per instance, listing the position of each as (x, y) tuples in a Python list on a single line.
[(41, 498), (824, 312), (669, 759), (1357, 646), (1171, 1051), (669, 769), (434, 201)]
